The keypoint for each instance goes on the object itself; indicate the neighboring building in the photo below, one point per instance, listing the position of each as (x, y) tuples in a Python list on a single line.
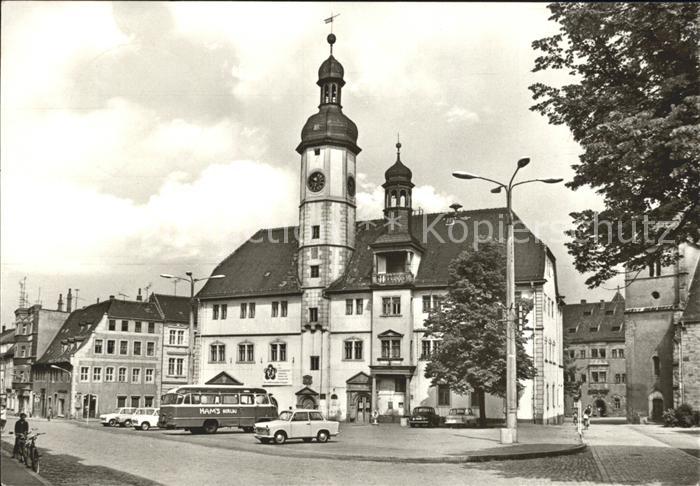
[(656, 299), (686, 358), (106, 355), (7, 368), (35, 327), (330, 314), (594, 339), (176, 339)]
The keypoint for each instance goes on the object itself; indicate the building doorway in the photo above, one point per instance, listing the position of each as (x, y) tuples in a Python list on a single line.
[(657, 409), (89, 406), (600, 407), (363, 409)]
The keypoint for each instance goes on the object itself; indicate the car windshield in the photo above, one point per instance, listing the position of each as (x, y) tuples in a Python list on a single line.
[(286, 415), (457, 411)]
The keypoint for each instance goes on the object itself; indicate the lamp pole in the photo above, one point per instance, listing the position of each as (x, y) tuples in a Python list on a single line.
[(190, 345), (509, 434)]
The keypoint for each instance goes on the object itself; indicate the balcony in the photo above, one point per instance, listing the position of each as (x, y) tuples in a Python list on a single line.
[(401, 278)]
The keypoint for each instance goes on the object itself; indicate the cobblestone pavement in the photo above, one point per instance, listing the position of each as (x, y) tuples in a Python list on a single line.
[(76, 455)]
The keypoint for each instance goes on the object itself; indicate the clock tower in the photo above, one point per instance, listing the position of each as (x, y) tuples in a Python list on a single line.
[(328, 152)]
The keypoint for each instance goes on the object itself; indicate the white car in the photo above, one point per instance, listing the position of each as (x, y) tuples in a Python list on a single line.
[(120, 416), (145, 418), (297, 424), (461, 417)]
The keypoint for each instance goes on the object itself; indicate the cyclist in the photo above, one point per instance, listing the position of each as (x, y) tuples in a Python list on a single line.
[(21, 430)]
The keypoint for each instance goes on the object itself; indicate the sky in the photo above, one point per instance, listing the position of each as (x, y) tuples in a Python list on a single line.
[(141, 138)]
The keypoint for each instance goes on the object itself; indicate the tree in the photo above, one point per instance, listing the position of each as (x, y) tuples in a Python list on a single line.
[(472, 353), (572, 385), (633, 108)]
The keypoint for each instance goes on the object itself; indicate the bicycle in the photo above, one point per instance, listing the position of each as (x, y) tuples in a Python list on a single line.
[(29, 452)]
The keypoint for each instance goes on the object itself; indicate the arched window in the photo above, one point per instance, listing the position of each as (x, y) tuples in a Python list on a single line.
[(393, 199), (657, 365), (326, 95), (402, 199), (334, 93)]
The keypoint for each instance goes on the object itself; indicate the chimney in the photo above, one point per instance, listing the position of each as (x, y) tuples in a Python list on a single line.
[(583, 301), (138, 297), (69, 300), (98, 300), (60, 302), (3, 328), (111, 297)]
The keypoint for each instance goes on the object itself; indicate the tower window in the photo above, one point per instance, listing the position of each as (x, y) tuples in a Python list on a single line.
[(313, 314), (657, 365), (334, 93), (317, 151), (314, 271), (315, 232), (315, 363)]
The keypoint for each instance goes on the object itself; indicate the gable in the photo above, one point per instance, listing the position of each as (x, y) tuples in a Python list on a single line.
[(306, 391), (359, 379), (223, 378), (389, 334)]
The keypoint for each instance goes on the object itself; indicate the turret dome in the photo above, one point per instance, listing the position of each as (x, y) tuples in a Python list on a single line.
[(398, 172)]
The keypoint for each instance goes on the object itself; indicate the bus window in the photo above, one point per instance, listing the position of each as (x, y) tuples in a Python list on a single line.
[(208, 399), (261, 400), (180, 399), (196, 399), (246, 399), (188, 399), (230, 399)]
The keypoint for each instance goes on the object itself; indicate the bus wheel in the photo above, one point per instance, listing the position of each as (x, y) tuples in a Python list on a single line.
[(211, 426), (280, 437), (322, 436)]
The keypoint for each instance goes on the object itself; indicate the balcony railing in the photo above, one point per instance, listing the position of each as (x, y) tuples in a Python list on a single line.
[(401, 278)]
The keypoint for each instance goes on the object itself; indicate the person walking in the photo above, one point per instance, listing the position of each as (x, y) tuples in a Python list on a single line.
[(21, 429), (50, 414), (587, 417)]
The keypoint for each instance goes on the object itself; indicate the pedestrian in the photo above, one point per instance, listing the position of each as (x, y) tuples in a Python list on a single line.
[(3, 418), (21, 429), (587, 416), (50, 415)]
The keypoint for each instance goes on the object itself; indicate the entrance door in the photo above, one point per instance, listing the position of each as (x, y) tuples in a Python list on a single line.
[(308, 403), (89, 406), (657, 409), (600, 408), (364, 409)]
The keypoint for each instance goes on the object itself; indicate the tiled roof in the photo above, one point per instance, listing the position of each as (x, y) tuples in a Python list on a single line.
[(595, 321), (7, 336), (82, 322), (266, 264), (692, 309), (174, 308)]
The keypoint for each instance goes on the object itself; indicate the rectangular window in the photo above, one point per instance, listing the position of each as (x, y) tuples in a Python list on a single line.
[(112, 325), (315, 232), (179, 368), (275, 309), (244, 310), (358, 349), (620, 353), (283, 308), (121, 377), (348, 349), (137, 326), (426, 304), (386, 306), (151, 328), (601, 353), (582, 353), (396, 305), (98, 346), (348, 307), (583, 378), (251, 310), (278, 352), (245, 353), (125, 326), (147, 401), (572, 354), (224, 311), (594, 353), (594, 376), (84, 373), (313, 314), (148, 377), (180, 337), (135, 401), (97, 373), (172, 336), (359, 305), (315, 363), (613, 353), (215, 312), (171, 366), (136, 375), (602, 376), (123, 347), (109, 374), (443, 396), (391, 348), (314, 271), (618, 378), (425, 349), (150, 348), (624, 378), (121, 402), (391, 306), (217, 353), (137, 348)]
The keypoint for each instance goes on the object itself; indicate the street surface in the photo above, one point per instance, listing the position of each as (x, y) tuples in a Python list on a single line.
[(77, 455)]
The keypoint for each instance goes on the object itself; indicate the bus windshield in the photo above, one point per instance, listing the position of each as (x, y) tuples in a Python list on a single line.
[(170, 398)]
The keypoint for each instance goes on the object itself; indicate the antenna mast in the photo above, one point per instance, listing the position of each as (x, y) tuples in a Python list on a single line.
[(23, 298)]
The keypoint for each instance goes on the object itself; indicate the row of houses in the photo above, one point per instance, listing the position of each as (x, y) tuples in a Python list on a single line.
[(90, 360)]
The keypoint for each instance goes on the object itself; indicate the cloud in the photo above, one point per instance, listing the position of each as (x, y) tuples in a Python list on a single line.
[(458, 114)]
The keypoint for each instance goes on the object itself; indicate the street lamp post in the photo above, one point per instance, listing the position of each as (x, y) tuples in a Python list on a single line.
[(190, 347), (509, 434)]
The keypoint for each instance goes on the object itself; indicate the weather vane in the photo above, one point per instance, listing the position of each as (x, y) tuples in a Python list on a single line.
[(330, 20)]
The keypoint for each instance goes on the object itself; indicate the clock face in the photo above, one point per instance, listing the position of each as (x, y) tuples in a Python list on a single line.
[(351, 186), (316, 181)]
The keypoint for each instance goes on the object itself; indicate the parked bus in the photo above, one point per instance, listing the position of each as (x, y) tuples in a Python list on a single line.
[(205, 408)]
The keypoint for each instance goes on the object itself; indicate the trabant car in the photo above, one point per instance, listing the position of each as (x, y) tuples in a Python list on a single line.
[(424, 417), (297, 424), (120, 416), (460, 417), (145, 418)]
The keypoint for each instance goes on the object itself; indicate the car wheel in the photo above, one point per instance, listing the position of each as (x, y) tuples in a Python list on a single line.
[(112, 422), (145, 426), (211, 426), (322, 436), (196, 430), (280, 437)]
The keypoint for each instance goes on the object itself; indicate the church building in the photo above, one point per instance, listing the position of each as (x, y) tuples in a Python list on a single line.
[(330, 314)]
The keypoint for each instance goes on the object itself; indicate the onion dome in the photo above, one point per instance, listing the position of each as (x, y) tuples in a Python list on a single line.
[(398, 172), (330, 125)]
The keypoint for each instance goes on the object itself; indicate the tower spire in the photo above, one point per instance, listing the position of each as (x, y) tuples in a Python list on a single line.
[(331, 36)]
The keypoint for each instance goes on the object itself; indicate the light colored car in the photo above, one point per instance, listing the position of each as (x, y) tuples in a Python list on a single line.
[(297, 424), (460, 417), (145, 418), (120, 416)]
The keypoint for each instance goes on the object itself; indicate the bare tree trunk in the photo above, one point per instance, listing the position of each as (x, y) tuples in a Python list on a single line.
[(481, 398)]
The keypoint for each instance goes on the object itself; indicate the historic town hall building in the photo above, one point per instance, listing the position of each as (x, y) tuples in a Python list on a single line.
[(330, 314)]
